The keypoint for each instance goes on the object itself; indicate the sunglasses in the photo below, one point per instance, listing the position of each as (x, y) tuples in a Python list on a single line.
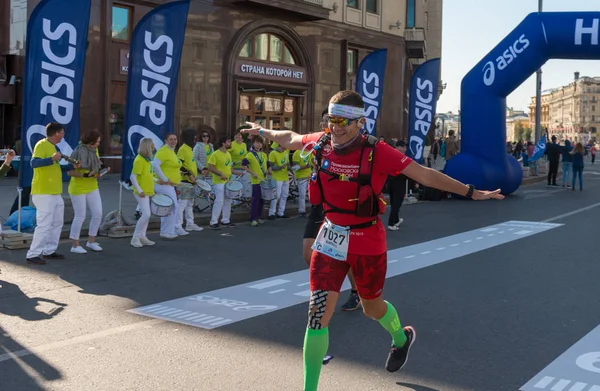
[(205, 135), (341, 121)]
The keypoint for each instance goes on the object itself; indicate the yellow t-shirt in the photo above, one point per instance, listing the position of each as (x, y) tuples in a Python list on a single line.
[(257, 166), (186, 156), (170, 164), (145, 175), (222, 162), (80, 186), (305, 172), (47, 179), (280, 159), (238, 153), (208, 150)]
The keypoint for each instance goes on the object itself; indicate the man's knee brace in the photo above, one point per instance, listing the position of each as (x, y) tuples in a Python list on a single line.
[(316, 309)]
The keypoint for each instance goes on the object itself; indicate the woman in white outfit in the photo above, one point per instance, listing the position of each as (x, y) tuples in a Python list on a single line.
[(142, 180), (84, 192), (167, 169)]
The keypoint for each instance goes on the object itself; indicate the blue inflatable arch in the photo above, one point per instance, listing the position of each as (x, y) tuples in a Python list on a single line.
[(483, 161)]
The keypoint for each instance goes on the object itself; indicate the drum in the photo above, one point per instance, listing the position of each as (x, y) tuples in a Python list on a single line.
[(202, 188), (161, 205), (234, 190), (268, 190), (185, 191)]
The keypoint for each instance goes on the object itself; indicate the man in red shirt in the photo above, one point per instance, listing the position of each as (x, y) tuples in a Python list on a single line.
[(352, 170)]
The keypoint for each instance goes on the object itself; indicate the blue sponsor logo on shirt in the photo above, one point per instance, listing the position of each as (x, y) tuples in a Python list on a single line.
[(326, 164)]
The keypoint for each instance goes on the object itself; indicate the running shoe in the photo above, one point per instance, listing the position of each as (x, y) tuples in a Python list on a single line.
[(352, 303), (399, 356)]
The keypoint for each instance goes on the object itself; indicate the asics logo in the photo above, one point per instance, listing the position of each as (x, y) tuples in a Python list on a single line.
[(489, 73), (504, 60)]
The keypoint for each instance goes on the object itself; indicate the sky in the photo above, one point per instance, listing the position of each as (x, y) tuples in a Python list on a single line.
[(472, 28)]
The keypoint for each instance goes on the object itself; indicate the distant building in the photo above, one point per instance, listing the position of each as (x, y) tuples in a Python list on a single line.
[(515, 120), (572, 111)]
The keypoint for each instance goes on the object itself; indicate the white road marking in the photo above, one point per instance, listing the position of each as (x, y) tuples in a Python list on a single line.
[(522, 232), (440, 248), (253, 299), (576, 211), (545, 382), (574, 370), (269, 284)]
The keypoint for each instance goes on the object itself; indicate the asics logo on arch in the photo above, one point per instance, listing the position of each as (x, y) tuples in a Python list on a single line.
[(504, 60), (489, 73)]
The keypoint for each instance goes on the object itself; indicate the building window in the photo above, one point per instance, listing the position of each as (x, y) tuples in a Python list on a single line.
[(267, 47), (371, 6), (410, 14), (352, 62), (593, 118), (353, 4), (121, 23)]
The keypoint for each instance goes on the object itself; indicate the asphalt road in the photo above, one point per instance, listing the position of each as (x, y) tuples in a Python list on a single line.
[(487, 321)]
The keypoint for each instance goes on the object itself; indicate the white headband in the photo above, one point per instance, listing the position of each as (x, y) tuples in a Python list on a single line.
[(344, 111)]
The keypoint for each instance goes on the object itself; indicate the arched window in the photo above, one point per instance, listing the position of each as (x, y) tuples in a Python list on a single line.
[(267, 47)]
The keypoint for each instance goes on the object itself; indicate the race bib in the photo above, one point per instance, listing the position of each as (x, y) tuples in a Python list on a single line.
[(332, 241)]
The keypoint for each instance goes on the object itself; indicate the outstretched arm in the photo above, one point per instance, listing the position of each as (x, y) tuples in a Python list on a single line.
[(286, 138), (432, 178)]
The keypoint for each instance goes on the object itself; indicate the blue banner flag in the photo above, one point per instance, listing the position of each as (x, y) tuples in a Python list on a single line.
[(54, 64), (539, 150), (423, 99), (369, 84), (154, 57)]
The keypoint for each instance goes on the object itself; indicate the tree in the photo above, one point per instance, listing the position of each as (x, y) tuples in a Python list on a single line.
[(527, 134), (519, 131)]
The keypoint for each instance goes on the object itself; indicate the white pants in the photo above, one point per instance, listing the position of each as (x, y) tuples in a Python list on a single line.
[(80, 204), (302, 190), (142, 224), (168, 224), (283, 191), (50, 214), (186, 207), (222, 203)]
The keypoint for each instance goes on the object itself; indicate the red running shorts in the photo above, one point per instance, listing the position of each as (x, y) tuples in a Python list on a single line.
[(369, 271)]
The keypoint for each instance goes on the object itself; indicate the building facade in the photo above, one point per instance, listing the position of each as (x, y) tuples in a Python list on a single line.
[(518, 127), (276, 62), (572, 111)]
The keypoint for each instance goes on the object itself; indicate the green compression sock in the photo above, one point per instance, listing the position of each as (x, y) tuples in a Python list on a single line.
[(316, 343), (391, 323)]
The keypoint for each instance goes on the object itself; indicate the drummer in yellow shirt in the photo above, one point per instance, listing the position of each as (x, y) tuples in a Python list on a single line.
[(84, 192), (256, 165), (142, 179), (46, 194), (302, 170), (238, 151), (220, 164), (166, 168), (189, 172), (280, 164)]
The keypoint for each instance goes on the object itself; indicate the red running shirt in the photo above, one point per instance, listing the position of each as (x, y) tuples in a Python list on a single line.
[(388, 161)]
